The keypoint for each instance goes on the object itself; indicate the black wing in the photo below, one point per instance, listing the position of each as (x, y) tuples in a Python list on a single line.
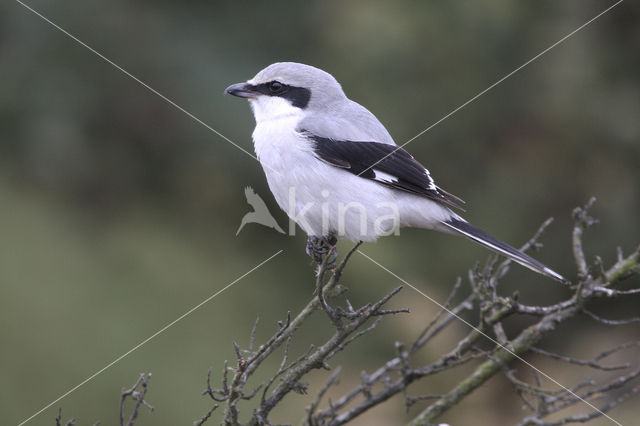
[(387, 164)]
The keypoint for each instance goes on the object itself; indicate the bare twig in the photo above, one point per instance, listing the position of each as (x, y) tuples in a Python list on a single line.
[(206, 417), (59, 421), (565, 402), (582, 222), (314, 406), (318, 358), (137, 396), (396, 375), (423, 337), (592, 363), (609, 321)]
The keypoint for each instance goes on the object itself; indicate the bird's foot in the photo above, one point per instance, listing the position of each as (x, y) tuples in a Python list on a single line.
[(315, 249), (318, 247)]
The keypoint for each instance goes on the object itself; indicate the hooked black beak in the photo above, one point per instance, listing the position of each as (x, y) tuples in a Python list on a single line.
[(241, 90)]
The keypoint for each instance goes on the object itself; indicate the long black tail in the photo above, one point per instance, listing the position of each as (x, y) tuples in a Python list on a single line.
[(479, 236)]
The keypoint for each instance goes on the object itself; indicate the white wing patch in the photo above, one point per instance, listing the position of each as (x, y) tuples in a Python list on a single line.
[(387, 178), (432, 185), (384, 177)]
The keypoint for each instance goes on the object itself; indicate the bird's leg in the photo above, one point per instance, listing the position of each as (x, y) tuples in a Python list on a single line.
[(323, 251), (330, 242), (317, 247)]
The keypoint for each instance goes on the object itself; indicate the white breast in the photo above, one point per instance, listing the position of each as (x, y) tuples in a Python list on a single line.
[(279, 147)]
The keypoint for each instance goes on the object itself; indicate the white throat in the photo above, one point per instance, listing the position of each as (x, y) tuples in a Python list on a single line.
[(267, 108)]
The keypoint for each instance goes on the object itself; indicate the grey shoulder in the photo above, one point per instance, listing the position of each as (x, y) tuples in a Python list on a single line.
[(350, 121)]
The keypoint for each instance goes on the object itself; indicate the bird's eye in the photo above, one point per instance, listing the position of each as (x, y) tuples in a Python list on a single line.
[(276, 86)]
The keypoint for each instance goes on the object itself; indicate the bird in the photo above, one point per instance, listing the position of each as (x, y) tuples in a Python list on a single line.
[(336, 171), (260, 213)]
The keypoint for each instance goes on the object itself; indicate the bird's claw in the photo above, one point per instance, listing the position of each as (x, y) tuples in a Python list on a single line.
[(318, 247)]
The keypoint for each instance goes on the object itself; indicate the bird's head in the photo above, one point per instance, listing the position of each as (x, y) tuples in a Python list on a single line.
[(288, 89)]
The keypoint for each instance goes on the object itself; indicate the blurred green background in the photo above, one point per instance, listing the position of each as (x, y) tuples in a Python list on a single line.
[(118, 213)]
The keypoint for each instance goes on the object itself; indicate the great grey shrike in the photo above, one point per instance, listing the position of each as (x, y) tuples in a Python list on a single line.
[(336, 171)]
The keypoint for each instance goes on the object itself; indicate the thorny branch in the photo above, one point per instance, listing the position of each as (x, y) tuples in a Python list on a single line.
[(60, 422), (348, 323), (136, 392), (396, 375), (586, 289)]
